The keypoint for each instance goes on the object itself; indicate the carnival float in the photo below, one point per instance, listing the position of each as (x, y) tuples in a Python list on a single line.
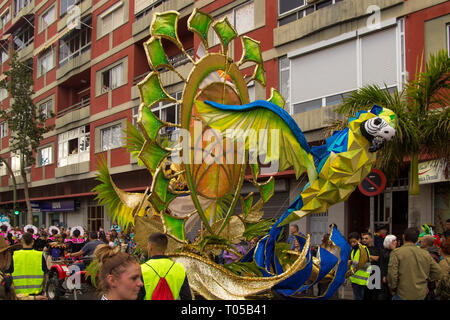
[(199, 166)]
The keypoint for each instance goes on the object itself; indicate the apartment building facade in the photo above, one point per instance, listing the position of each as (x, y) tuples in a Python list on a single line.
[(88, 56)]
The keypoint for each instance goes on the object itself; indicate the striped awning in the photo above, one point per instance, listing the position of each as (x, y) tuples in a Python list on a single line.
[(52, 40)]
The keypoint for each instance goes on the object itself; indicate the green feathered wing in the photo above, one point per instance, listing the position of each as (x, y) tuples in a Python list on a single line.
[(264, 131)]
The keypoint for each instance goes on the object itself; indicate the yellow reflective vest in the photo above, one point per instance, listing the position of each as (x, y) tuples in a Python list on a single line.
[(361, 276), (28, 276), (174, 274)]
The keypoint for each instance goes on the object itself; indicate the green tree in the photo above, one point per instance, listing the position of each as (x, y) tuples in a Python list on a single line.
[(423, 117), (26, 123)]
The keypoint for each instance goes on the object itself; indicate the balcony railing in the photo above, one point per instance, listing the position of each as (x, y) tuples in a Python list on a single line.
[(74, 107), (177, 60), (74, 54)]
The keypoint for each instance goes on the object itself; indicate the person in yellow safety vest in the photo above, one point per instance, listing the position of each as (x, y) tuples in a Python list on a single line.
[(160, 266), (360, 277), (28, 268)]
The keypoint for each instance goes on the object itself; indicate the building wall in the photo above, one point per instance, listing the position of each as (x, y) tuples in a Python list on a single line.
[(63, 83)]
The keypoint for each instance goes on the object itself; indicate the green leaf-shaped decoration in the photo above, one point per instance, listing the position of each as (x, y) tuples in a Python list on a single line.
[(255, 170), (247, 205), (267, 189), (152, 155), (277, 98), (151, 90), (148, 122), (259, 75), (174, 226), (199, 23), (160, 186), (226, 33), (251, 50), (156, 55), (165, 25)]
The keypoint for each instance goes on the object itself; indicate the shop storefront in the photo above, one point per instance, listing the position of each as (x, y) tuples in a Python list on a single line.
[(432, 179), (53, 213)]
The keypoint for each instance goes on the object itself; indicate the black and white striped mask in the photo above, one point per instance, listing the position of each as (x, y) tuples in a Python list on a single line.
[(377, 131)]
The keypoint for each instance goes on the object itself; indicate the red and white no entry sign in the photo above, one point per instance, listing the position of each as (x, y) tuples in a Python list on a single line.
[(373, 184)]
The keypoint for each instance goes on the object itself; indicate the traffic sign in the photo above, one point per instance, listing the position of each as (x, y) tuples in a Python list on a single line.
[(373, 184)]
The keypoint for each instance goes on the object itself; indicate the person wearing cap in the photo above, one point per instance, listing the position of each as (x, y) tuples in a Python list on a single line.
[(378, 240), (28, 268)]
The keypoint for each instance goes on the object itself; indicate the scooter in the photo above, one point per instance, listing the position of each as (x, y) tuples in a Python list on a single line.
[(65, 279)]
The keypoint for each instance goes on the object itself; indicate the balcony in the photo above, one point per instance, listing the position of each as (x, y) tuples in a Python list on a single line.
[(76, 166), (28, 9), (76, 112), (85, 9), (340, 12), (179, 61), (77, 62), (144, 16)]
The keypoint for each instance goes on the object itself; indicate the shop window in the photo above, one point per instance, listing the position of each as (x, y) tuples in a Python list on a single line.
[(95, 218)]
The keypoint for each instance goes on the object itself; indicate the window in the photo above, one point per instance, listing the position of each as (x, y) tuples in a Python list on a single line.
[(3, 170), (288, 5), (3, 130), (15, 163), (4, 52), (284, 78), (46, 61), (48, 18), (135, 116), (24, 36), (448, 38), (19, 5), (5, 18), (111, 137), (45, 156), (73, 146), (251, 91), (348, 65), (95, 217), (65, 5), (242, 18), (169, 112), (46, 108), (3, 94), (112, 78), (77, 42), (112, 20)]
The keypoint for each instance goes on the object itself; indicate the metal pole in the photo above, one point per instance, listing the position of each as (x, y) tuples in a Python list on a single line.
[(372, 215)]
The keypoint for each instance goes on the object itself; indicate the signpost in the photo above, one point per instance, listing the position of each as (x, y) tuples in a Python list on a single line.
[(372, 185)]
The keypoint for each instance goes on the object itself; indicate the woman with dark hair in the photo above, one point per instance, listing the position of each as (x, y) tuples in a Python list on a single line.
[(120, 276)]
